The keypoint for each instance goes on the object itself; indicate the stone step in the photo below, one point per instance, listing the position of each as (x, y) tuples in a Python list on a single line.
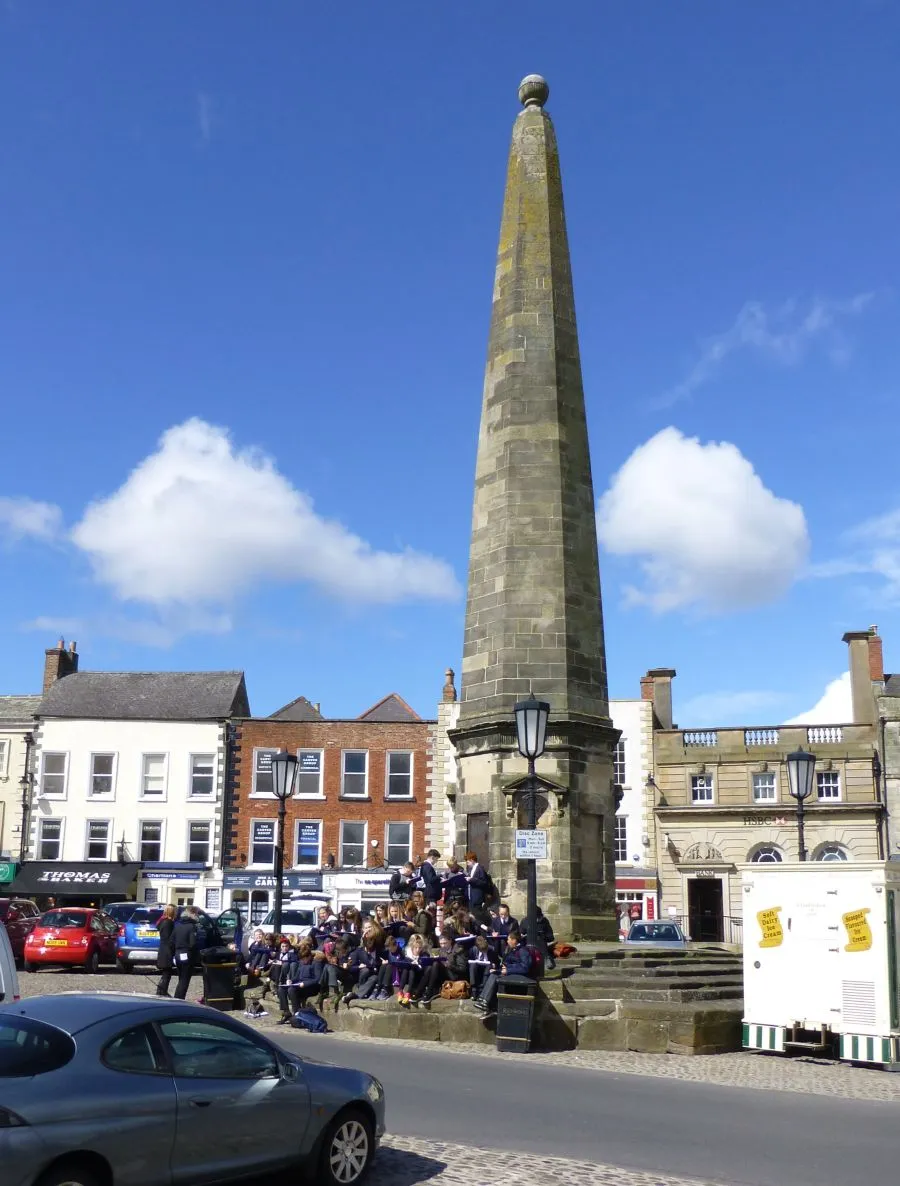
[(652, 990), (623, 979), (626, 971)]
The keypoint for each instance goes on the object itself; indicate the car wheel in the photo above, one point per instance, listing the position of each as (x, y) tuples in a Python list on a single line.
[(347, 1150), (124, 966), (28, 966), (68, 1175), (93, 963)]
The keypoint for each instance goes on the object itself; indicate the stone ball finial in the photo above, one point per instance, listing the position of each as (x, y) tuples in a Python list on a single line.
[(533, 91)]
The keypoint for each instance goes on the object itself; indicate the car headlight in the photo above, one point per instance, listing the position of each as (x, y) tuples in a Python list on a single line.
[(375, 1091)]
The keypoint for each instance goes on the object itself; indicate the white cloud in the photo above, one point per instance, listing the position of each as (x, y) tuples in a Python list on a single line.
[(834, 708), (873, 550), (707, 531), (22, 518), (162, 631), (200, 521), (784, 335)]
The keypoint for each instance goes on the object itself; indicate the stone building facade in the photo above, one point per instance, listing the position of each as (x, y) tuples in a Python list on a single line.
[(722, 798)]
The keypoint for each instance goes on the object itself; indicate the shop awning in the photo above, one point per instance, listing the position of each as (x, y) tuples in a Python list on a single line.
[(61, 878)]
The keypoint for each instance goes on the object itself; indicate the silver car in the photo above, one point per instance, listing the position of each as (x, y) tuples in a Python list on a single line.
[(111, 1089), (665, 935)]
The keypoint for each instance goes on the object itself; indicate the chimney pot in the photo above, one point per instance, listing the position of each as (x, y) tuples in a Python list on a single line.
[(58, 663), (449, 692)]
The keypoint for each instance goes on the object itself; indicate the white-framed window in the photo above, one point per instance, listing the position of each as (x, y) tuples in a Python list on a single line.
[(50, 839), (619, 763), (98, 840), (213, 898), (766, 854), (54, 773), (353, 842), (103, 776), (701, 788), (150, 832), (262, 842), (764, 787), (398, 775), (4, 755), (153, 776), (620, 839), (151, 895), (397, 843), (308, 844), (199, 841), (262, 772), (203, 776), (832, 852), (355, 773), (309, 774), (828, 784)]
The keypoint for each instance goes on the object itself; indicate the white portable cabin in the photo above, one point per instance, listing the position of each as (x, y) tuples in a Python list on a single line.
[(821, 958)]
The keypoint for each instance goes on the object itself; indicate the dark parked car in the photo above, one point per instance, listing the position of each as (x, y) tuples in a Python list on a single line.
[(138, 941), (101, 1088), (121, 911), (19, 916)]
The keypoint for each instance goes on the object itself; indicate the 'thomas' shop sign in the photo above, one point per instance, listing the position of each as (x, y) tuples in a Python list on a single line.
[(72, 877)]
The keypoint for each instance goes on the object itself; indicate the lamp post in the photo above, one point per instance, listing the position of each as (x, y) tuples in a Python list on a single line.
[(801, 776), (531, 732), (284, 776), (26, 782)]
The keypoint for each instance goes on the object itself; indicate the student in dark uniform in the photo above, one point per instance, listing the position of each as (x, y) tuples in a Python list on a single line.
[(166, 955), (184, 942)]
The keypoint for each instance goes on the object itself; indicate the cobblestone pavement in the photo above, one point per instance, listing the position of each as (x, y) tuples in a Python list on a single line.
[(405, 1162), (761, 1071)]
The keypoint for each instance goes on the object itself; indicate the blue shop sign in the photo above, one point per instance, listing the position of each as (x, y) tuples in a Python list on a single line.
[(242, 879)]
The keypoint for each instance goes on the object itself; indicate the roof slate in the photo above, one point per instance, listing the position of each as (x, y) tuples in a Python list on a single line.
[(393, 709), (147, 695), (300, 709), (18, 708)]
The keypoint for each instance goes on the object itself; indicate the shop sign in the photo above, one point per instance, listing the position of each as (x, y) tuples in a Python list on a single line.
[(171, 875), (7, 871), (351, 881), (705, 872), (310, 761), (756, 819), (240, 879), (72, 877)]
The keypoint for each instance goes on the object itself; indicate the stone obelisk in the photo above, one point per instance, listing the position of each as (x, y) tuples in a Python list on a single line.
[(533, 615)]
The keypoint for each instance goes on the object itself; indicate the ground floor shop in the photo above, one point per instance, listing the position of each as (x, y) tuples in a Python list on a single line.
[(70, 883), (701, 852), (637, 896)]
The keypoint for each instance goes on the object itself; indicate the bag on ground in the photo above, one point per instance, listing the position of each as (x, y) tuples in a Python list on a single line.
[(455, 990), (309, 1020)]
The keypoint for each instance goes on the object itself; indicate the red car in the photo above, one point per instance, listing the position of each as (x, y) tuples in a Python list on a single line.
[(18, 915), (72, 935)]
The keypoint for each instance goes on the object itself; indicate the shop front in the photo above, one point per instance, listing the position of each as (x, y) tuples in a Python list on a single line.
[(362, 890), (8, 871), (171, 882), (253, 893), (73, 883), (637, 896)]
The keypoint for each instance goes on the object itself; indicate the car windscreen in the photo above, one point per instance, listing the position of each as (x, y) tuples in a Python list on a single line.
[(66, 919), (290, 918), (29, 1047)]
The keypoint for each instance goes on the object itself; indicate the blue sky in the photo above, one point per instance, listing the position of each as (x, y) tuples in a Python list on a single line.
[(247, 268)]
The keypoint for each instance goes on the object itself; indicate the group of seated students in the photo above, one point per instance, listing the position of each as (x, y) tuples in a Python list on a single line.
[(396, 951)]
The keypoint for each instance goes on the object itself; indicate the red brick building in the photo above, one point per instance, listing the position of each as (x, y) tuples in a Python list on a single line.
[(359, 808)]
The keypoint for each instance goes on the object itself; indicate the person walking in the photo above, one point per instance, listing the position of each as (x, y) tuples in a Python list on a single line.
[(166, 955), (184, 941)]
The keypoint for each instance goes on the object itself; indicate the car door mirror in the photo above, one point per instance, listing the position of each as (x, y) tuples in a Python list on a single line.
[(290, 1072)]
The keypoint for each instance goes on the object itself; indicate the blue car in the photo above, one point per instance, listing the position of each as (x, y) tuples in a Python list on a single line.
[(138, 941)]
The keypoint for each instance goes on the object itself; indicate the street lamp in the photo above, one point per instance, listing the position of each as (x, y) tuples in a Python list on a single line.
[(531, 731), (26, 782), (801, 777), (284, 776)]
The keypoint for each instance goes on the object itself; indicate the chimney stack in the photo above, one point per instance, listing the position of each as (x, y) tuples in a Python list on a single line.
[(656, 685), (449, 693), (59, 662), (866, 670)]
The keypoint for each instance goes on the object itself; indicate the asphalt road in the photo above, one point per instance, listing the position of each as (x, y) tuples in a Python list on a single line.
[(737, 1136)]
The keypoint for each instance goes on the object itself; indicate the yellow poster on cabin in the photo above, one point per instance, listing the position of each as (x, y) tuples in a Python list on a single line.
[(858, 930), (770, 926)]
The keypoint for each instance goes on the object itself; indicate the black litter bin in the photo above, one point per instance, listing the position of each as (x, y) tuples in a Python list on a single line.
[(515, 1013), (219, 966)]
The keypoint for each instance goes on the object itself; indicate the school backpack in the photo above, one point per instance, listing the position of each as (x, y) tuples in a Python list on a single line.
[(309, 1019), (537, 962), (455, 990)]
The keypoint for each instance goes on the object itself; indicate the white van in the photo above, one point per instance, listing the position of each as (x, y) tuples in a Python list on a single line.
[(298, 917), (9, 977)]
